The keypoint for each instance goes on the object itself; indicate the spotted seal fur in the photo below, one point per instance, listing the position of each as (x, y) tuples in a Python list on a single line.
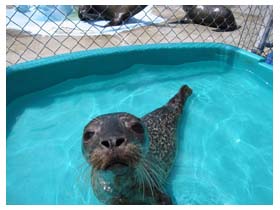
[(132, 157)]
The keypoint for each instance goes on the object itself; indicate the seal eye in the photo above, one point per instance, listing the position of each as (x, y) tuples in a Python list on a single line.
[(88, 135), (138, 128)]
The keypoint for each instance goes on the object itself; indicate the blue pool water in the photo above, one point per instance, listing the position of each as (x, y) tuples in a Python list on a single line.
[(225, 136)]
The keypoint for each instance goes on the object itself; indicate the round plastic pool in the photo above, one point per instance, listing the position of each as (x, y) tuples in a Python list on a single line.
[(225, 137)]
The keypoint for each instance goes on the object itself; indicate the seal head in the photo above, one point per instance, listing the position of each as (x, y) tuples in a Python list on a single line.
[(132, 157), (114, 141)]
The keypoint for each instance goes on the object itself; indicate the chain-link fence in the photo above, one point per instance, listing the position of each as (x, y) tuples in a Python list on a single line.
[(39, 31)]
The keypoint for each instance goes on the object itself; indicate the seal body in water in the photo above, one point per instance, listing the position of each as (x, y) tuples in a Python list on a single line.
[(216, 16), (132, 157), (116, 14)]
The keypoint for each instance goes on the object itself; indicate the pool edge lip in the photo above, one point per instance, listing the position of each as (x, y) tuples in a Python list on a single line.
[(65, 57), (30, 74)]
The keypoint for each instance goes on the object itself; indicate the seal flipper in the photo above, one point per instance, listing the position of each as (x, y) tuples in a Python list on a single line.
[(231, 28), (119, 20), (177, 102), (184, 20)]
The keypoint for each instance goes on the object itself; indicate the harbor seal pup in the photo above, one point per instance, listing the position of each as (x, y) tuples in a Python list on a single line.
[(216, 16), (116, 14), (132, 157)]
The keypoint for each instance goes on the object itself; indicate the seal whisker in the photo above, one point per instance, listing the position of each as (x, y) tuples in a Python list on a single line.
[(142, 184), (156, 175), (98, 160), (159, 172), (93, 177), (83, 173), (82, 165), (148, 180)]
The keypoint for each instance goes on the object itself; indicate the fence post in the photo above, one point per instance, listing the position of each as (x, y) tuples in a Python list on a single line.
[(264, 36)]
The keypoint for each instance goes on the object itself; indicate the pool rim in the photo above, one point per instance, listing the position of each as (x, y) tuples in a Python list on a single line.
[(124, 49), (39, 74)]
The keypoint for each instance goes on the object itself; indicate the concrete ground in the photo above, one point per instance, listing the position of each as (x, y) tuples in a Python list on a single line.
[(21, 46)]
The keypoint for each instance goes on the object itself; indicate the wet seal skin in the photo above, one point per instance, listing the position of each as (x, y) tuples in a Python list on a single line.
[(132, 157), (116, 14), (219, 17)]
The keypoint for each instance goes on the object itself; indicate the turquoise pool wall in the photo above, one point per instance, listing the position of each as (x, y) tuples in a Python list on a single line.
[(36, 75)]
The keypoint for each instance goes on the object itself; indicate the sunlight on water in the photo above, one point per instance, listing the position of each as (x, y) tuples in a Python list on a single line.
[(225, 138)]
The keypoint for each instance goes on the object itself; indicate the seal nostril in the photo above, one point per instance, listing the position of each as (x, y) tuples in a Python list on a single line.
[(119, 141), (105, 144)]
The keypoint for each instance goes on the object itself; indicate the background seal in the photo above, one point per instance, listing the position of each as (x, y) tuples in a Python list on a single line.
[(215, 16), (116, 14)]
